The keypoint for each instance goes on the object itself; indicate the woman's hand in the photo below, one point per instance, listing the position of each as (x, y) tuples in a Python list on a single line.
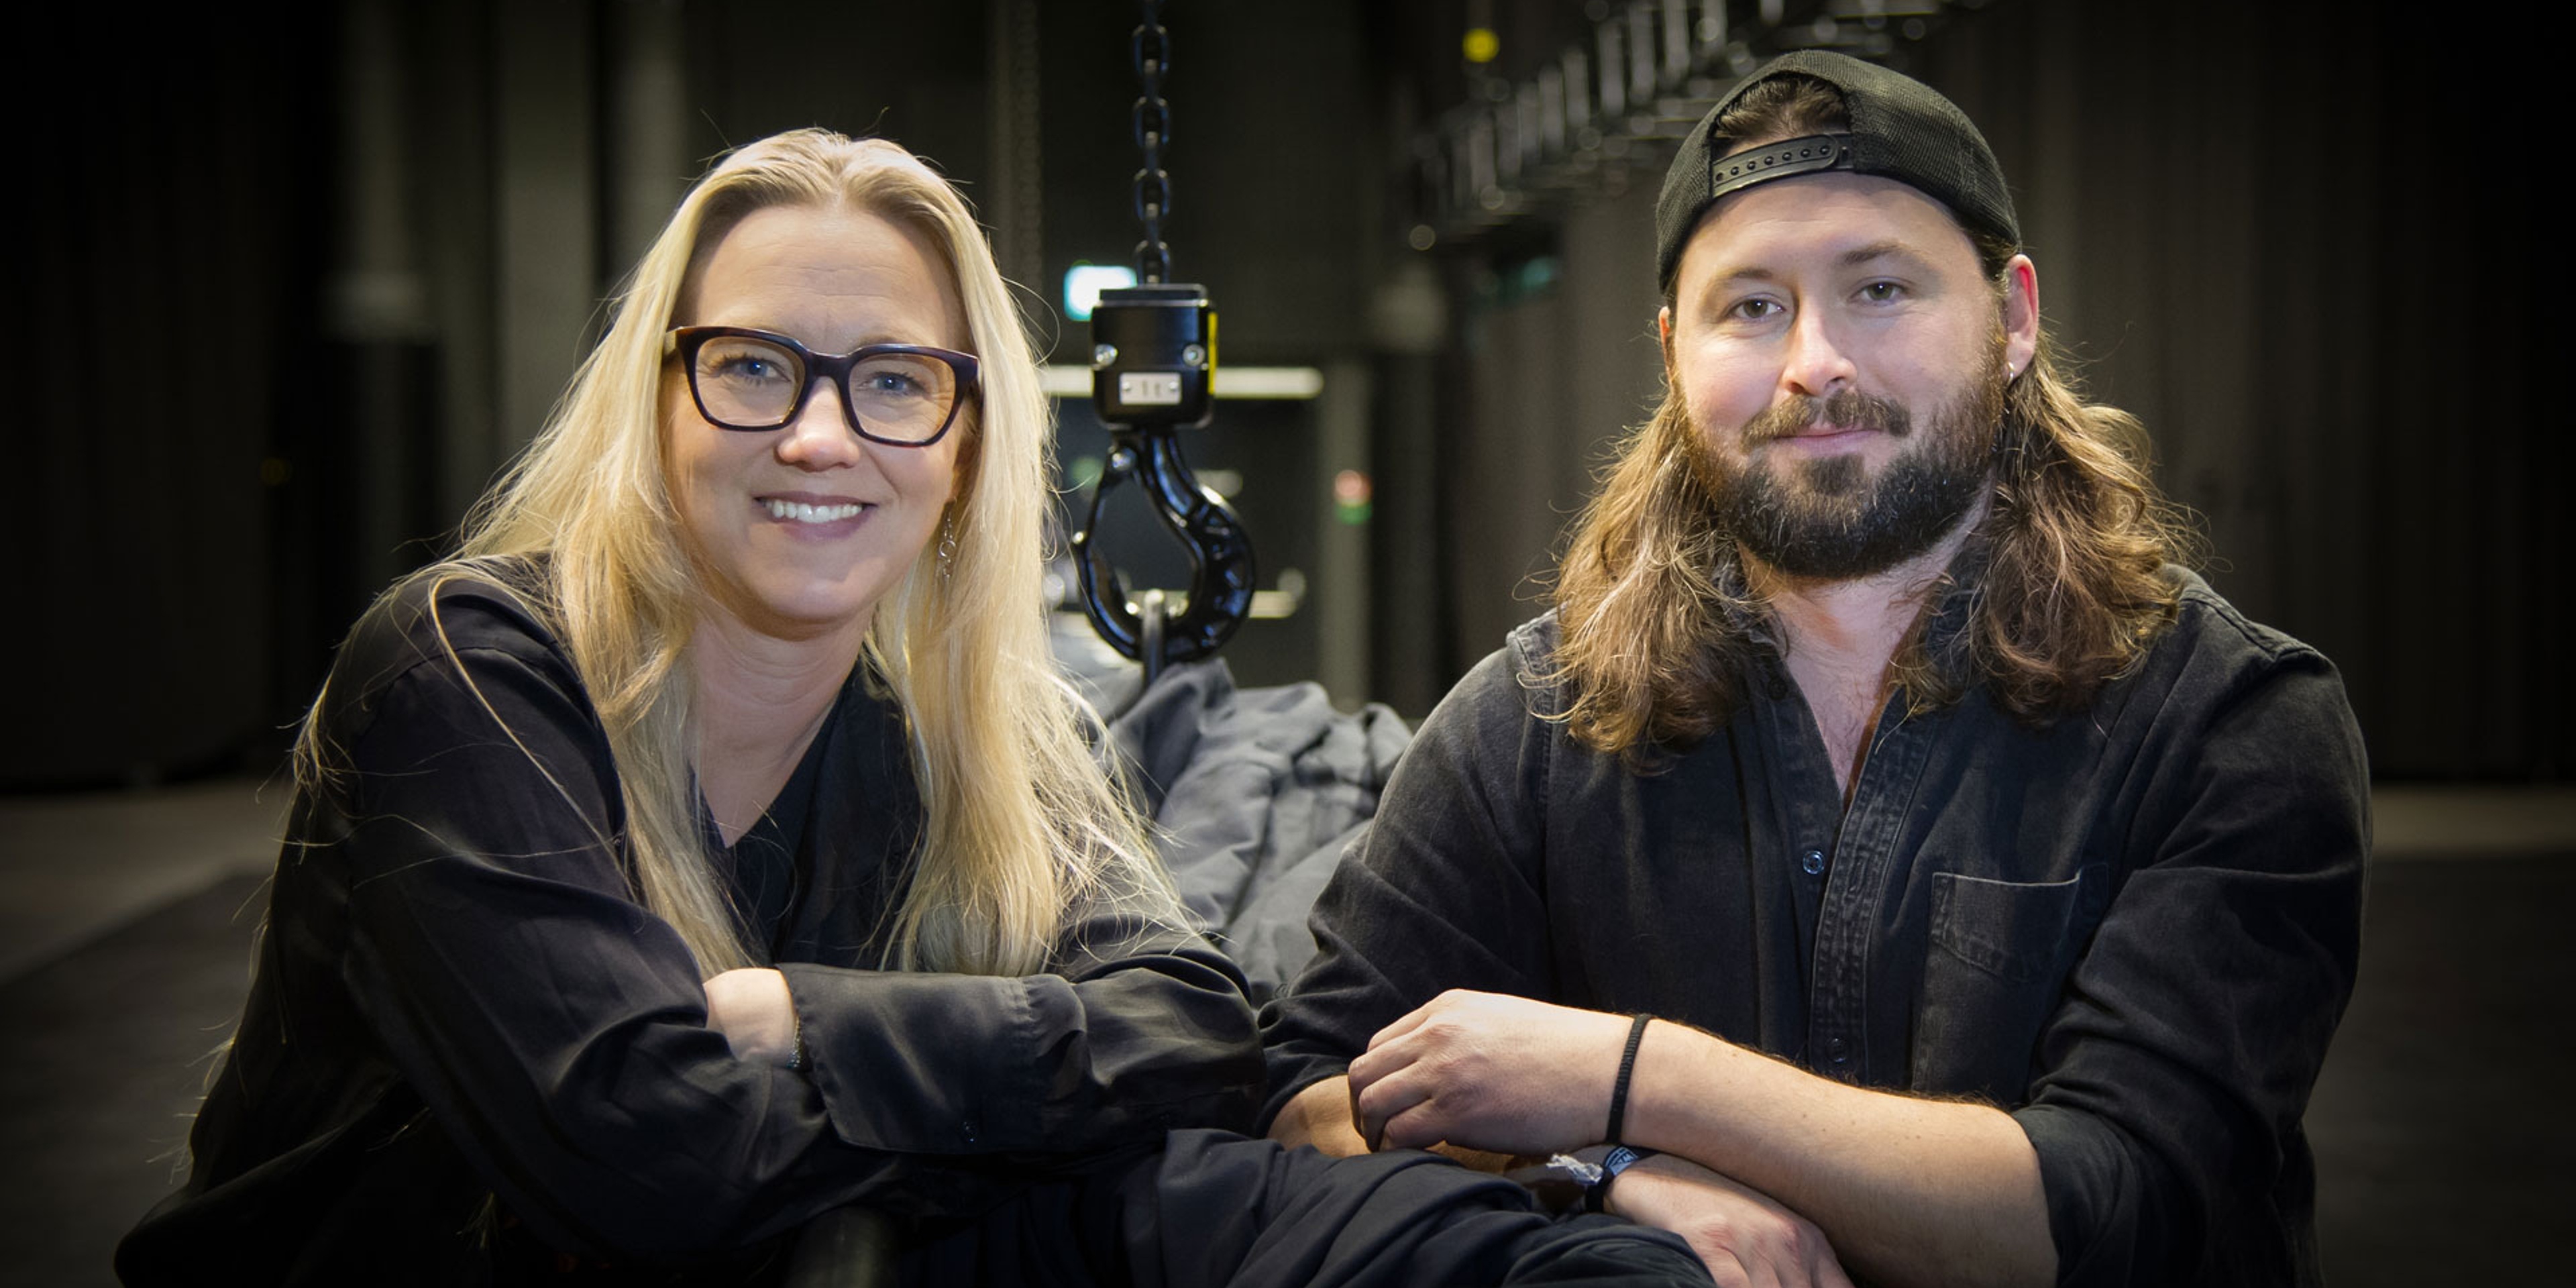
[(1743, 1237), (751, 1007)]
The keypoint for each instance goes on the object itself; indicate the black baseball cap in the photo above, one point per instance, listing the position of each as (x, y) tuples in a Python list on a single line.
[(1901, 129)]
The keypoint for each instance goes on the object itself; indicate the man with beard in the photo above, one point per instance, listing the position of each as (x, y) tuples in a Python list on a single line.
[(1885, 856)]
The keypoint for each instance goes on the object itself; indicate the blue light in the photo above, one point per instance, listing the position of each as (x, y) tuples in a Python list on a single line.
[(1083, 284)]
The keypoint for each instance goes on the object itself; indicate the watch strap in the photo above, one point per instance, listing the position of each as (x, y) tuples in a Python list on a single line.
[(1596, 1196)]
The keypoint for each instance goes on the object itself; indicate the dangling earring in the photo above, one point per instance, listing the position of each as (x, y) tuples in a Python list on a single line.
[(947, 542)]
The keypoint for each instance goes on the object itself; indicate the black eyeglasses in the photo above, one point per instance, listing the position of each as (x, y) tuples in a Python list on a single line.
[(902, 395)]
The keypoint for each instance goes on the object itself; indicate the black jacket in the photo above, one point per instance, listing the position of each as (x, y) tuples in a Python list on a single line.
[(2135, 929), (468, 1046)]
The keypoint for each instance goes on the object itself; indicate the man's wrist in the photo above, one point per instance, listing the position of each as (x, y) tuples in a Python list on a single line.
[(1620, 1087), (1596, 1197), (1580, 1181), (1682, 1078)]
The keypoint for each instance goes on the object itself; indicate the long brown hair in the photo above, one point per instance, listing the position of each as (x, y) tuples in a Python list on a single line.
[(2064, 576)]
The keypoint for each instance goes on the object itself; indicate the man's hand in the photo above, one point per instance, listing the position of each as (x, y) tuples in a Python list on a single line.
[(1744, 1238), (1491, 1072), (754, 1011)]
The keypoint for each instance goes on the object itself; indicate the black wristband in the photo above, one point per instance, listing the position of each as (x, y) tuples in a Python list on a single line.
[(1596, 1196), (1627, 1070)]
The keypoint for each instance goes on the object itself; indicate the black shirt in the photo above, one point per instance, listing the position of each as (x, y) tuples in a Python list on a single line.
[(2135, 928), (466, 1033)]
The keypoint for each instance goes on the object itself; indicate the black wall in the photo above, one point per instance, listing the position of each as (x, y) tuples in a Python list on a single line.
[(2296, 238), (299, 280)]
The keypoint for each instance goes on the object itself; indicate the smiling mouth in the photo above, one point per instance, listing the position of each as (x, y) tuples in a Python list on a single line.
[(1844, 417), (802, 512), (1820, 437)]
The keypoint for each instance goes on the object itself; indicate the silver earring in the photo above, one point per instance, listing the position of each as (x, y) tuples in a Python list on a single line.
[(947, 542)]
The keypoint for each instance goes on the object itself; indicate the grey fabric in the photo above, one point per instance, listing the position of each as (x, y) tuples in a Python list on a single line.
[(1254, 793)]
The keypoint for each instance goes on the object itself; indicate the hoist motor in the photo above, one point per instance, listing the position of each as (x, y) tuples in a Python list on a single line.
[(1153, 355)]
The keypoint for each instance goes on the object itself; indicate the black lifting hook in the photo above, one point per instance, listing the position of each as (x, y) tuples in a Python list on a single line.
[(1154, 356), (1220, 553), (1153, 362)]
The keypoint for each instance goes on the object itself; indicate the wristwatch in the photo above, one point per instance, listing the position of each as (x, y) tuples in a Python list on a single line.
[(1596, 1196), (1565, 1184)]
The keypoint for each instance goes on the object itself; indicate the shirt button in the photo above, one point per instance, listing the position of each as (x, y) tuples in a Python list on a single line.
[(1813, 861), (1838, 1050)]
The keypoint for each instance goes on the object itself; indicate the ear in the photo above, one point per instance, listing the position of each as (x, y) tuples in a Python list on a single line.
[(2021, 314), (1664, 335)]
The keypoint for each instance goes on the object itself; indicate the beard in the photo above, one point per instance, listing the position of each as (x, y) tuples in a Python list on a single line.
[(1827, 518)]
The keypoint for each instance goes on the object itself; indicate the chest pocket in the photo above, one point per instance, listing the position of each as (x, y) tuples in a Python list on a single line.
[(1997, 963)]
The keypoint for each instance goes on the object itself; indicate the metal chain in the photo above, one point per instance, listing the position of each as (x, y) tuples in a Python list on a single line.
[(1153, 49)]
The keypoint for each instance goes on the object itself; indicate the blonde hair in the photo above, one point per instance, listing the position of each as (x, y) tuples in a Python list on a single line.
[(1019, 816)]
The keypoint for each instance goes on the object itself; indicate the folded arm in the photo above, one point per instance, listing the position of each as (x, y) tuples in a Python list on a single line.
[(1140, 1028), (1906, 1190), (563, 1038), (2168, 1082)]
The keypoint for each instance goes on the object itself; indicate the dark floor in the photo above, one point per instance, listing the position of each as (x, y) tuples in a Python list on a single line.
[(2443, 1151), (111, 1045)]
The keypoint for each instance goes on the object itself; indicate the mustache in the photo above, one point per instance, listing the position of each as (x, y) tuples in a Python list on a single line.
[(1846, 409)]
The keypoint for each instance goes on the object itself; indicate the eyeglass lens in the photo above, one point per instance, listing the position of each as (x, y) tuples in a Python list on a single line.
[(901, 397)]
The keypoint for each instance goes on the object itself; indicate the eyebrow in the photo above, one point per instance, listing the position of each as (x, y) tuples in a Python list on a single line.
[(1853, 258), (1890, 249)]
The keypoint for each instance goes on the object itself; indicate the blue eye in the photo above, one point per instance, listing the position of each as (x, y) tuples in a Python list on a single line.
[(737, 360), (901, 377), (893, 384)]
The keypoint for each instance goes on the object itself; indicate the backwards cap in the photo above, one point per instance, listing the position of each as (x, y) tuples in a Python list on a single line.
[(1900, 129)]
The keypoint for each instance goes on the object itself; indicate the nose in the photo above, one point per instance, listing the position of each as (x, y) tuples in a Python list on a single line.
[(1816, 364), (820, 438)]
